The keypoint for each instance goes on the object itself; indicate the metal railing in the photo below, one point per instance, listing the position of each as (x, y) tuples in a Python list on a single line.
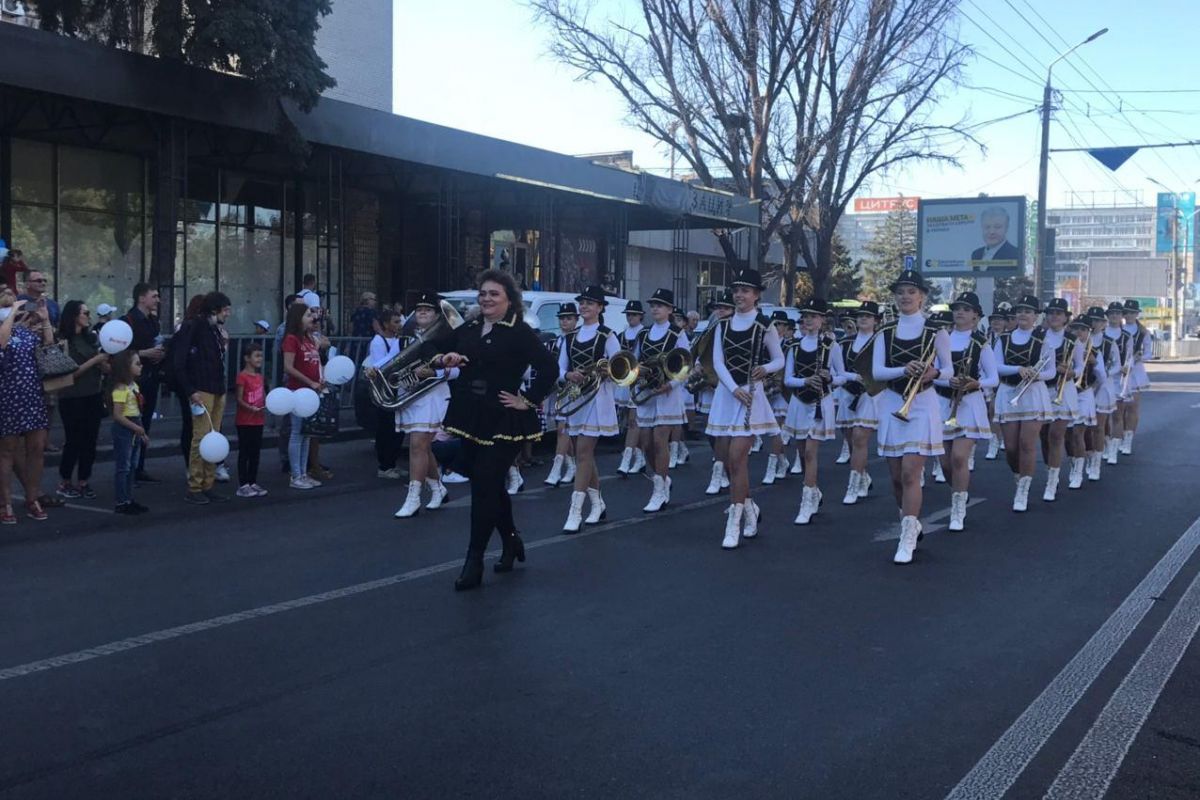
[(1186, 348)]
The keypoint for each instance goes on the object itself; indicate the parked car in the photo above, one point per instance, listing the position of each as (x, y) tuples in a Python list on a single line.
[(541, 308)]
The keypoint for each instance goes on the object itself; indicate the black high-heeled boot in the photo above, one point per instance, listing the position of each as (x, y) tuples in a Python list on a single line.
[(514, 550), (472, 573)]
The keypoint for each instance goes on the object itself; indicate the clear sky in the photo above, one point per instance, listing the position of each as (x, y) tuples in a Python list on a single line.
[(481, 65)]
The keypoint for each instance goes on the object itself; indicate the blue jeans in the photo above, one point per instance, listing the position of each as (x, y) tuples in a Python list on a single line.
[(123, 456), (298, 447)]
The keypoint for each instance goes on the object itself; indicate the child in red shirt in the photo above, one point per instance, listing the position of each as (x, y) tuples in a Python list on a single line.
[(251, 403)]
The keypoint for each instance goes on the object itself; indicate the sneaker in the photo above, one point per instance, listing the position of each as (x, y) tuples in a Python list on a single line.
[(196, 498), (315, 483), (321, 473), (391, 474), (66, 490), (454, 477), (216, 497), (222, 474), (246, 491), (301, 483), (258, 490), (86, 492)]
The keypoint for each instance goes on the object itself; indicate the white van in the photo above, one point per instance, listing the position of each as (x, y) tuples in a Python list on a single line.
[(541, 308)]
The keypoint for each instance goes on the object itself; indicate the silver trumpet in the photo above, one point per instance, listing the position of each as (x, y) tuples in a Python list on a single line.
[(1024, 385)]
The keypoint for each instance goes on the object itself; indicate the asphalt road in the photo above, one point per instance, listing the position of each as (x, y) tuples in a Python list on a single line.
[(307, 645)]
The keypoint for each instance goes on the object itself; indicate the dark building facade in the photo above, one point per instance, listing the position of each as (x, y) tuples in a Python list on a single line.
[(117, 167)]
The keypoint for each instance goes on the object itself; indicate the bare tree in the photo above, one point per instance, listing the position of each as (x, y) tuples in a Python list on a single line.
[(794, 103)]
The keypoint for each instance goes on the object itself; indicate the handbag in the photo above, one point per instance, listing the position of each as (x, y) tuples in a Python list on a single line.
[(324, 423), (52, 362)]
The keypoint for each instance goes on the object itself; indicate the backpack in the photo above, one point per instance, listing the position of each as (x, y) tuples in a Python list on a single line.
[(166, 367)]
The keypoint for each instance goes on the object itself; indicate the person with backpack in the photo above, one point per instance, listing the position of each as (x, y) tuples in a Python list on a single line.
[(148, 342)]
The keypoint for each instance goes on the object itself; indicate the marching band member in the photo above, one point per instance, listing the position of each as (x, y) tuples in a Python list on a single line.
[(582, 349), (1025, 363), (777, 462), (740, 409), (856, 414), (1142, 350), (679, 453), (562, 470), (1109, 362), (942, 321), (998, 325), (657, 415), (633, 460), (1078, 441), (722, 309), (909, 355), (421, 419), (1120, 380), (1064, 399), (811, 366), (493, 352), (963, 407)]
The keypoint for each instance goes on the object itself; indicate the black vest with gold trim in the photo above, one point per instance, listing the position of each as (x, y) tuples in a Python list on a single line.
[(966, 361), (582, 355), (899, 352), (806, 364), (743, 349), (1021, 355)]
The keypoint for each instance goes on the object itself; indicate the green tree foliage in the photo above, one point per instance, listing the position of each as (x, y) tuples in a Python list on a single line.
[(845, 279), (272, 42), (895, 239)]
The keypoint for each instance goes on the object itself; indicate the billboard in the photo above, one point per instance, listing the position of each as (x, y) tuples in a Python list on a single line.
[(1118, 278), (884, 205), (1174, 221), (981, 236)]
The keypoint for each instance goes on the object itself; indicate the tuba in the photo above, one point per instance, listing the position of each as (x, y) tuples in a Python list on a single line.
[(396, 384), (622, 369), (654, 373)]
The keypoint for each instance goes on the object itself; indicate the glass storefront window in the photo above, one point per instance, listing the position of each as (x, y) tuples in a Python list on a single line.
[(100, 258), (250, 275), (201, 259), (33, 234), (99, 180), (32, 172)]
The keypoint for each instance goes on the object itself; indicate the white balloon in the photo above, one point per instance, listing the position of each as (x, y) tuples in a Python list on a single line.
[(115, 336), (339, 370), (214, 447), (280, 401), (307, 402)]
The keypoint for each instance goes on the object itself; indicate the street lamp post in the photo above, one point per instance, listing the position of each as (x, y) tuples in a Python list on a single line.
[(1178, 266), (1039, 262)]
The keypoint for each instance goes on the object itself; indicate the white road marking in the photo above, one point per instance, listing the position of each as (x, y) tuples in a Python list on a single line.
[(1004, 762), (928, 524), (1094, 764), (166, 634), (21, 499)]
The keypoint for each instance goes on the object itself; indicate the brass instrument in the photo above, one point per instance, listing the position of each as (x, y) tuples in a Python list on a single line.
[(397, 383), (704, 376), (1126, 371), (1087, 356), (822, 349), (952, 420), (1068, 354), (654, 373), (622, 369), (864, 367), (756, 340), (914, 382), (1025, 383)]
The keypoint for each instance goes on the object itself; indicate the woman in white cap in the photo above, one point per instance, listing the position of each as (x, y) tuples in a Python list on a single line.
[(1118, 379), (856, 414), (633, 460), (964, 409), (663, 409), (1064, 398), (1078, 434), (421, 419), (813, 366), (740, 409), (1109, 363), (1025, 363), (908, 356), (1141, 350), (582, 349)]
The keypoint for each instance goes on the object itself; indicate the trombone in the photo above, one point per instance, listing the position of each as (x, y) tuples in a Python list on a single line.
[(1025, 383), (914, 382), (1068, 354), (1087, 354)]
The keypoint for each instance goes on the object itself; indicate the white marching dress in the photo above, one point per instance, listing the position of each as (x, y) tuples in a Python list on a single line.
[(1034, 403), (971, 414), (922, 433), (801, 422), (666, 408), (851, 414), (727, 417), (598, 417)]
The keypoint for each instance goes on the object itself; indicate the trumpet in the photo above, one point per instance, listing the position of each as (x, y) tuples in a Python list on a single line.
[(622, 369), (1068, 353), (952, 420), (656, 372), (1087, 355), (1126, 370), (914, 383), (1025, 383)]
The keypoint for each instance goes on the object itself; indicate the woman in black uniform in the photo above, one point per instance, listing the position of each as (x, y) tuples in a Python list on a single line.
[(487, 410)]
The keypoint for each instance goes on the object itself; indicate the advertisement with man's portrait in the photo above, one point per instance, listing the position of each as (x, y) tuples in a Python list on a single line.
[(982, 236)]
